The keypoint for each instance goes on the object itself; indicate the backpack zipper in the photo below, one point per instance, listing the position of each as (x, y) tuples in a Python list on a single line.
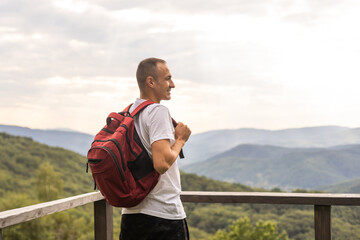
[(107, 130), (118, 146), (114, 159), (95, 161)]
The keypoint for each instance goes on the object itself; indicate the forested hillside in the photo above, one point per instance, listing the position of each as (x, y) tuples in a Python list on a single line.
[(297, 221), (31, 172), (286, 168), (71, 140), (20, 157), (203, 146), (351, 186)]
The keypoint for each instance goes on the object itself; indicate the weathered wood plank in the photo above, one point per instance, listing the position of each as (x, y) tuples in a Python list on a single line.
[(272, 198), (322, 202), (322, 218), (19, 215), (103, 220)]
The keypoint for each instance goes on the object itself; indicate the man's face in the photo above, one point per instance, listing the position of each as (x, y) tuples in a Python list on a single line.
[(164, 83)]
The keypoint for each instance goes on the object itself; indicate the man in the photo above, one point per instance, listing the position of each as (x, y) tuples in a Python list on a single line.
[(161, 214)]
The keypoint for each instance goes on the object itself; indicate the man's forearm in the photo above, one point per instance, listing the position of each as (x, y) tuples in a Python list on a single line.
[(177, 146), (165, 155)]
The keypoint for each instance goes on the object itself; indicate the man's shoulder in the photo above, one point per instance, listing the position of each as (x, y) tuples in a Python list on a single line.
[(157, 107), (156, 112), (152, 113), (151, 109)]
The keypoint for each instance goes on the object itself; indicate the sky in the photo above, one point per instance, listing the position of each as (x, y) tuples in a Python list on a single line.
[(271, 64)]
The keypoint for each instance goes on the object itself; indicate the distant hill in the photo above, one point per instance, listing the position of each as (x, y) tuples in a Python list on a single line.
[(65, 138), (205, 145), (287, 168), (21, 156), (351, 186), (285, 172)]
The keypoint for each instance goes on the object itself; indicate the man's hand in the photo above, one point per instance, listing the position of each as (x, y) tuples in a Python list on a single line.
[(182, 132), (165, 155)]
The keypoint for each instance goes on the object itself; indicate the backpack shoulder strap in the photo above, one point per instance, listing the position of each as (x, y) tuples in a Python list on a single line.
[(141, 107), (144, 105), (126, 111), (181, 154)]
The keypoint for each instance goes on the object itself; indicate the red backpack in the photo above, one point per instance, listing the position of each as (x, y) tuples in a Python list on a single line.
[(120, 165)]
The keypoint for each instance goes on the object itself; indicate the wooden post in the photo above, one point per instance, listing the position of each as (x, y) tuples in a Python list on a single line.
[(103, 217), (322, 217), (0, 234)]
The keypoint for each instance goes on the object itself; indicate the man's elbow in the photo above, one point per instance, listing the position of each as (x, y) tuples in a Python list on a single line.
[(162, 162), (162, 168)]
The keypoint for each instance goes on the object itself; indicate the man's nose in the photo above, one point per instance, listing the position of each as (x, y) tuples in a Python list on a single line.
[(172, 85)]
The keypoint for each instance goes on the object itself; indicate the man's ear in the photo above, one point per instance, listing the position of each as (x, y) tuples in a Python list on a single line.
[(150, 81)]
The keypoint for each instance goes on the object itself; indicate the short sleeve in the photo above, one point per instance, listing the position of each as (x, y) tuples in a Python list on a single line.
[(160, 124)]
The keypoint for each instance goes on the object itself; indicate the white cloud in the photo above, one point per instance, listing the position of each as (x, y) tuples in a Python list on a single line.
[(10, 68), (78, 45), (72, 6), (11, 37), (261, 64)]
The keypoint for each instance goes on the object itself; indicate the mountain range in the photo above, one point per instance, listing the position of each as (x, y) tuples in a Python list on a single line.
[(203, 146), (72, 140), (25, 163), (349, 186), (308, 158), (287, 168)]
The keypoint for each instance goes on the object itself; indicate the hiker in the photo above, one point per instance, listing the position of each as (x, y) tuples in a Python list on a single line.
[(161, 214)]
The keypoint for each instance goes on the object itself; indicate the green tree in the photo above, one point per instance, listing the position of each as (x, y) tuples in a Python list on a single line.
[(242, 230), (31, 230), (48, 182)]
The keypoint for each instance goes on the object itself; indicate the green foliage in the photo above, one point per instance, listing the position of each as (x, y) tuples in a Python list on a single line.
[(351, 186), (197, 234), (20, 158), (299, 190), (243, 230), (192, 182), (27, 166), (31, 173), (64, 225), (15, 200), (48, 183), (31, 230), (287, 168)]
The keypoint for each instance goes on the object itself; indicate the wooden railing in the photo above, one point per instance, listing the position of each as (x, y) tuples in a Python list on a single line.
[(103, 223)]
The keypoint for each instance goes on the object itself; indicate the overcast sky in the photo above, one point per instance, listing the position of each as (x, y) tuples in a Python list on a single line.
[(270, 64)]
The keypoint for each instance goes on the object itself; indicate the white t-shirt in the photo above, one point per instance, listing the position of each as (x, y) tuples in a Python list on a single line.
[(152, 124)]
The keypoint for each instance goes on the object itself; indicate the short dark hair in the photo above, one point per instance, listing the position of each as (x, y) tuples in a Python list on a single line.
[(147, 67)]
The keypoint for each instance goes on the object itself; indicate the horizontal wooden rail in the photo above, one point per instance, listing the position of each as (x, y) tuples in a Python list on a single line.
[(272, 198), (20, 215), (103, 211), (322, 203)]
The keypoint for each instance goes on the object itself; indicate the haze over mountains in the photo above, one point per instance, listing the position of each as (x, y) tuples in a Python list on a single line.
[(205, 145), (25, 163), (287, 168), (291, 158), (65, 138)]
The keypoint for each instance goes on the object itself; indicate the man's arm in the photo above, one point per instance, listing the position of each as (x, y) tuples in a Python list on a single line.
[(165, 155)]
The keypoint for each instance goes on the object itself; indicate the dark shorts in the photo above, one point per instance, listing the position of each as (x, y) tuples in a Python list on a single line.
[(145, 227)]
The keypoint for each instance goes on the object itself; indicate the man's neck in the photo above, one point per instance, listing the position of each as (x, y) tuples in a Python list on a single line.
[(149, 97)]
